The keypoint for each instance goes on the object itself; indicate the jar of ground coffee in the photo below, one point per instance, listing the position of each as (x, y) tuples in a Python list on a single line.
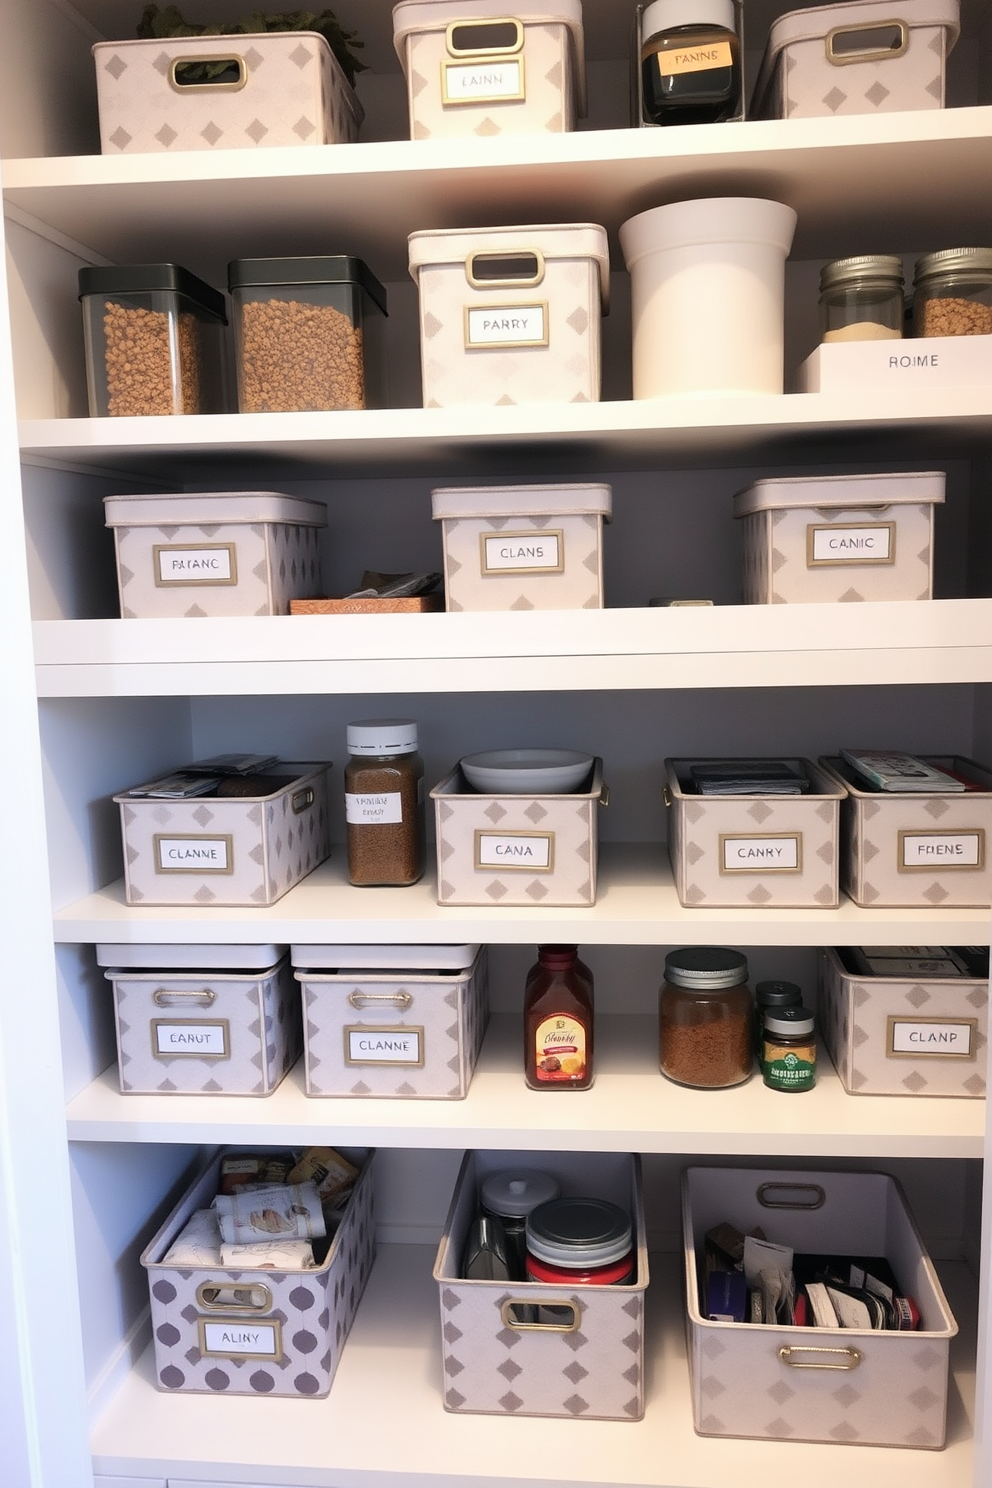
[(706, 1018), (384, 802)]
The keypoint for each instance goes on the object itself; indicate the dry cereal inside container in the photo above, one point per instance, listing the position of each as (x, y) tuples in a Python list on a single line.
[(953, 293), (153, 336), (308, 334)]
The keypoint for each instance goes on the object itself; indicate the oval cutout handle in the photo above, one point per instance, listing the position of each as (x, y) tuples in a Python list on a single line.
[(805, 1196), (520, 269), (846, 1358), (499, 37), (524, 1316), (224, 1296), (193, 74), (368, 999), (205, 997), (870, 41), (302, 800)]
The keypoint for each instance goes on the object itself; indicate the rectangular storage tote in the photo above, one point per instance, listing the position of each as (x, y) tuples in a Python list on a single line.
[(202, 1020), (279, 88), (234, 1332), (497, 1361), (517, 850), (511, 314), (754, 852), (523, 547), (472, 69), (858, 57), (392, 1021), (193, 554), (904, 1034), (916, 851), (828, 538), (776, 1383)]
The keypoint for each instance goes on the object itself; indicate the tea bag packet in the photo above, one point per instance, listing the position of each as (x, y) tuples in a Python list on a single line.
[(768, 1269), (269, 1255), (198, 1244), (287, 1213)]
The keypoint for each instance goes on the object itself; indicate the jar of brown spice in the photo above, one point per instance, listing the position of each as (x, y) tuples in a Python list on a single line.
[(952, 293), (706, 1018), (384, 802)]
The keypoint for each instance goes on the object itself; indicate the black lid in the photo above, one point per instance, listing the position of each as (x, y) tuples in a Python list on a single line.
[(777, 994), (250, 273), (792, 1019), (149, 279), (705, 968)]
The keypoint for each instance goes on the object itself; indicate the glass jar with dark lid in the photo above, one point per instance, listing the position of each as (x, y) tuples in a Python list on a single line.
[(706, 1018), (861, 299), (788, 1049), (952, 293), (769, 995)]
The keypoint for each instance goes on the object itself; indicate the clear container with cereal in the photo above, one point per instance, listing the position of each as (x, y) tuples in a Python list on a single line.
[(952, 293), (154, 341), (308, 334)]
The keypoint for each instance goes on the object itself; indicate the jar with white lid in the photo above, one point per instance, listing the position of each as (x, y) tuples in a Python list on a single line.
[(384, 802), (952, 293), (861, 299), (580, 1242), (511, 1197), (690, 62)]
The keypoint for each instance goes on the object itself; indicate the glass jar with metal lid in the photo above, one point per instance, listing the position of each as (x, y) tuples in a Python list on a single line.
[(510, 1197), (861, 299), (580, 1242), (706, 1018), (952, 293), (788, 1049)]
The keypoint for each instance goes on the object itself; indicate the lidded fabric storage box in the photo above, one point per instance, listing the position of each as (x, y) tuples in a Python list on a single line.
[(774, 1382), (202, 1020), (902, 1023), (511, 314), (523, 547), (219, 1330), (214, 552), (817, 539), (515, 850), (858, 57), (215, 851), (916, 851), (588, 1362), (473, 68), (393, 1021), (754, 852), (278, 88)]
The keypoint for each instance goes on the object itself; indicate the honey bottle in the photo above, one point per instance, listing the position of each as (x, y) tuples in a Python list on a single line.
[(558, 1021)]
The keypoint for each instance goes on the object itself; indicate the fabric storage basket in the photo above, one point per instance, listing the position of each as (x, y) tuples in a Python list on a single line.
[(774, 1383), (474, 69), (496, 1362), (908, 851), (859, 57), (754, 852), (215, 851), (218, 1330), (395, 1021), (523, 547), (214, 553), (202, 1020), (817, 539), (517, 850), (280, 88), (902, 1034), (511, 314)]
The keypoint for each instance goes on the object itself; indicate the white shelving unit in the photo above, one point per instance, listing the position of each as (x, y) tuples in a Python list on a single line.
[(87, 1173)]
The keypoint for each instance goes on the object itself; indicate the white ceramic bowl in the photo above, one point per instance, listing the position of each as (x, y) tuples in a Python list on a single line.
[(527, 772)]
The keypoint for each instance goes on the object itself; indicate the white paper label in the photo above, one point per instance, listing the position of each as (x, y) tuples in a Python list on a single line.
[(251, 1340), (479, 82), (499, 851), (936, 849), (384, 1046), (374, 809), (931, 1038), (758, 854), (522, 554), (194, 565), (868, 544), (193, 854), (191, 1038), (507, 325)]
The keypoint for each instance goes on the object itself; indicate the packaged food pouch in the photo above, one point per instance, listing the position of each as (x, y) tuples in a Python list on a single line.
[(328, 1170), (198, 1244), (269, 1255), (291, 1212)]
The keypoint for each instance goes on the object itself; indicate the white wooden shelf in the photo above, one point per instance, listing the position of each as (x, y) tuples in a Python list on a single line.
[(383, 1424), (636, 905), (630, 1108)]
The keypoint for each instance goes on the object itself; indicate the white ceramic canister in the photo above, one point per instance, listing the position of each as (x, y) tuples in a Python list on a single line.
[(708, 290)]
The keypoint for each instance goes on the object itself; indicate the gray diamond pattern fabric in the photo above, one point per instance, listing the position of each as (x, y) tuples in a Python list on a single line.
[(805, 85)]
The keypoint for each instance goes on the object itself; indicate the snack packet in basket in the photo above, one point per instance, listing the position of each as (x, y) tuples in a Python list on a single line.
[(269, 1255), (289, 1213)]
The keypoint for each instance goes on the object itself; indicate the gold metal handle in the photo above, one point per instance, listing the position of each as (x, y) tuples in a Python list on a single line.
[(230, 58), (848, 1358), (215, 1296), (488, 38), (206, 997), (604, 796), (368, 999), (531, 1305), (517, 268), (666, 795), (817, 1195), (870, 53), (302, 800)]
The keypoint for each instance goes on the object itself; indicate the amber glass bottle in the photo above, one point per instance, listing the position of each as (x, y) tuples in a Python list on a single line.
[(558, 1021), (690, 62)]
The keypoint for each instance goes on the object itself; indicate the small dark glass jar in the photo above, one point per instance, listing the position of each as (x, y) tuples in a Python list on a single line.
[(788, 1049), (706, 1018), (768, 996), (690, 62)]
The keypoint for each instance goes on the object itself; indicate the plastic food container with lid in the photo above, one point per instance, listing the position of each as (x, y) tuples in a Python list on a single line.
[(952, 293), (511, 314), (153, 335), (579, 1242), (706, 1018), (308, 334), (510, 1197), (384, 802), (475, 69)]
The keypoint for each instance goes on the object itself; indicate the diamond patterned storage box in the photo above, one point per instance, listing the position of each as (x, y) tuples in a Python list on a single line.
[(822, 539), (215, 553), (859, 57), (754, 852), (202, 1020), (916, 851), (218, 1330), (523, 547), (473, 69), (215, 851), (777, 1383), (497, 1361), (904, 1035), (517, 850), (281, 88), (395, 1021)]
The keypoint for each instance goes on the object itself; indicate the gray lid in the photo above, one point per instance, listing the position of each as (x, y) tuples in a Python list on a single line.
[(976, 261), (382, 736), (705, 968), (848, 271), (579, 1232), (795, 1019), (517, 1192)]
